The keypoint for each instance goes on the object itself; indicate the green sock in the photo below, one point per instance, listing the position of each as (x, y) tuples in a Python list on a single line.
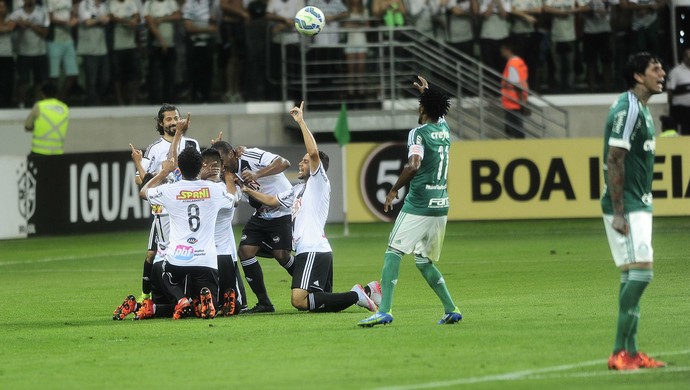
[(642, 277), (631, 340), (435, 280), (389, 278), (629, 309), (619, 344)]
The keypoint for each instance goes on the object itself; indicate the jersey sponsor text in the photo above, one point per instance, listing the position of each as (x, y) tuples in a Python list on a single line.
[(201, 193)]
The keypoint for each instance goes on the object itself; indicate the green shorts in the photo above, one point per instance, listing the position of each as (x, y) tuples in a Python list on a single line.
[(419, 234)]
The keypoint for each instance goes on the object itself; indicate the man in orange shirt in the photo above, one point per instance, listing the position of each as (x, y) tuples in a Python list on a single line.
[(514, 91)]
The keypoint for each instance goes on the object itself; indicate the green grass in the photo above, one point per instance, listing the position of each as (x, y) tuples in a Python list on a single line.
[(539, 300)]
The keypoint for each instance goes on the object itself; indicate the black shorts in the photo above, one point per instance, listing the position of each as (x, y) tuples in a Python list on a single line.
[(126, 65), (312, 271), (597, 47), (32, 65), (191, 279), (232, 42), (268, 233), (158, 292)]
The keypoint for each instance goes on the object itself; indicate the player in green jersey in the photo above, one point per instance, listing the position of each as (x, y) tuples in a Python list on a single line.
[(629, 147), (421, 225)]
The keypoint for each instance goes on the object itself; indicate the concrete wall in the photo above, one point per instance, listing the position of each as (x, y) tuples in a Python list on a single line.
[(253, 124)]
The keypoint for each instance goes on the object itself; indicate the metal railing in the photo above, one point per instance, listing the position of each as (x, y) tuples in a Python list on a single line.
[(324, 76)]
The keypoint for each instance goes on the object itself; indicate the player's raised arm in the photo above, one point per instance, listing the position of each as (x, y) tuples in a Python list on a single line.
[(167, 167), (180, 130), (137, 157), (309, 141)]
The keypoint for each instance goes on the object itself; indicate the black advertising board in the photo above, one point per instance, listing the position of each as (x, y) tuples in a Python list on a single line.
[(85, 192)]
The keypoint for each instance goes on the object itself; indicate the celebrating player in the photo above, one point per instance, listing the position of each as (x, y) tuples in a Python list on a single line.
[(190, 261), (268, 233), (310, 201), (421, 225), (167, 122)]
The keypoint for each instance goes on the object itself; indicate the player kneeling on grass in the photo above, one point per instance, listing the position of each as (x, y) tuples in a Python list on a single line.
[(190, 261), (162, 305), (310, 201)]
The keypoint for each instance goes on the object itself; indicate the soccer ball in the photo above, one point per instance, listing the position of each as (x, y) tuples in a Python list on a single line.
[(309, 20)]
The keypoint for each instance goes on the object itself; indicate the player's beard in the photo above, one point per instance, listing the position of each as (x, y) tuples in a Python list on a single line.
[(170, 130)]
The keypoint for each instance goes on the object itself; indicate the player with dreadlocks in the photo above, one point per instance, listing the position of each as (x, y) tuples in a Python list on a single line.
[(421, 225)]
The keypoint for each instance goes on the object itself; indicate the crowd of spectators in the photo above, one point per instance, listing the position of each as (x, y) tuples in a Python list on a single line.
[(124, 52)]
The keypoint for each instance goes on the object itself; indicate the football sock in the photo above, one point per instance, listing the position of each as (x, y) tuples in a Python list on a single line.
[(331, 302), (255, 277), (435, 280), (163, 310), (290, 265), (640, 278), (226, 273), (389, 278), (146, 278), (629, 309), (239, 287), (619, 344)]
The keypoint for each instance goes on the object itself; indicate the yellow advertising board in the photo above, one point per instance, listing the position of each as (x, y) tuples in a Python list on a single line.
[(516, 179)]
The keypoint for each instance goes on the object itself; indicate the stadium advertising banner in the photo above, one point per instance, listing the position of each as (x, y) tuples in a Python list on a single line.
[(516, 179), (17, 192), (88, 192)]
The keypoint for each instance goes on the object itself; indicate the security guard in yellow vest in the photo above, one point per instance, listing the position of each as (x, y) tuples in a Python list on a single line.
[(48, 120)]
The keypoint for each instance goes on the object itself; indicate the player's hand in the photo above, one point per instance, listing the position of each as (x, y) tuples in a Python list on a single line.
[(297, 112), (620, 224), (136, 154), (217, 139), (388, 205), (168, 165), (249, 176), (183, 125), (422, 85)]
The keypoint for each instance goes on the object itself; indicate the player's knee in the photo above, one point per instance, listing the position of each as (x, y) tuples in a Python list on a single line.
[(299, 299), (246, 251), (282, 255)]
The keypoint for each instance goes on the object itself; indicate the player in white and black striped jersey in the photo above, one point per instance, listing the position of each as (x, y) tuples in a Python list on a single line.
[(310, 202), (268, 233), (166, 125)]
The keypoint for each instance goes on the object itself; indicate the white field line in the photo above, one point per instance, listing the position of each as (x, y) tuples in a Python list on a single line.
[(68, 258), (589, 374), (538, 374)]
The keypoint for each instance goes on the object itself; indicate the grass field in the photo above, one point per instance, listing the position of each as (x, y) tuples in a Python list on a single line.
[(539, 300)]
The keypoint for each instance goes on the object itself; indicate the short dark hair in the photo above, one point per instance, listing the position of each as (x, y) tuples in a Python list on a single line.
[(49, 89), (325, 160), (159, 118), (211, 154), (189, 161), (637, 64), (508, 43), (435, 103), (223, 147)]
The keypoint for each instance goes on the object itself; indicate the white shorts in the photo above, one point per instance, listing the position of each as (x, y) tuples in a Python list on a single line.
[(420, 234), (636, 247)]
